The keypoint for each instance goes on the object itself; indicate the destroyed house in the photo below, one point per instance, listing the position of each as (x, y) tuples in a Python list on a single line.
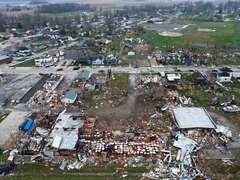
[(192, 118), (5, 59), (64, 135)]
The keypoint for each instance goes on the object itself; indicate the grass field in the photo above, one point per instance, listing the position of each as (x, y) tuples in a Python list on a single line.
[(27, 63), (227, 34), (222, 171), (39, 172), (67, 177)]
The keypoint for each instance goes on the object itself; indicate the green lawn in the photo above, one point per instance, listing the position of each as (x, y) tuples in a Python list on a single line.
[(114, 46), (67, 177), (161, 42), (117, 86), (222, 171), (226, 34), (119, 83), (27, 63), (46, 172)]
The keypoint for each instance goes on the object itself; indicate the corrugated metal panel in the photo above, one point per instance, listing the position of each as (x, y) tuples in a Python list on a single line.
[(192, 117)]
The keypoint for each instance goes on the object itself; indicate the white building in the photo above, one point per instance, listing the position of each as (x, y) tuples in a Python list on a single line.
[(131, 53), (224, 77), (173, 77), (47, 61)]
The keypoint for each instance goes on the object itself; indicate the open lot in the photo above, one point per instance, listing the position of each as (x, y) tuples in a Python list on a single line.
[(13, 87), (9, 127)]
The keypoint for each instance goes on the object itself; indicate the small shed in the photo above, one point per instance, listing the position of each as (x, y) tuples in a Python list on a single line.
[(84, 74)]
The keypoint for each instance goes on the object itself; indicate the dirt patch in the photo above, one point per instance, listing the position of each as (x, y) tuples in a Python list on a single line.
[(222, 118), (133, 110), (171, 34), (206, 30)]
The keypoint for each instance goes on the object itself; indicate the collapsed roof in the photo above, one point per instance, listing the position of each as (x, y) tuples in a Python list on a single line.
[(65, 131)]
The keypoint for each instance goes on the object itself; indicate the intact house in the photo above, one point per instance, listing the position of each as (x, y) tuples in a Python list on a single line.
[(173, 77), (78, 55), (199, 78), (98, 61), (47, 61), (224, 77)]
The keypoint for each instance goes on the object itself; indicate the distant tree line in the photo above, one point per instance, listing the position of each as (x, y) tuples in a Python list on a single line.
[(66, 7), (28, 22)]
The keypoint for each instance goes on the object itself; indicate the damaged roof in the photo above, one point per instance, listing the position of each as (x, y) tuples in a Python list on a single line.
[(192, 117), (65, 131)]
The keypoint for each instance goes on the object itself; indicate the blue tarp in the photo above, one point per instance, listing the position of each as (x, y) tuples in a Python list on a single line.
[(6, 167), (26, 125)]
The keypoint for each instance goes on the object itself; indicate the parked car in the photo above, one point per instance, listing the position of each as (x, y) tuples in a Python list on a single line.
[(60, 69), (76, 68)]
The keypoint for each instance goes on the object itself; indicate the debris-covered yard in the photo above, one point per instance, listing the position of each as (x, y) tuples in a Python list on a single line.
[(130, 125)]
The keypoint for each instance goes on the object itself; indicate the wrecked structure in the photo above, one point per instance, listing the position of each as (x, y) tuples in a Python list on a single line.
[(64, 134)]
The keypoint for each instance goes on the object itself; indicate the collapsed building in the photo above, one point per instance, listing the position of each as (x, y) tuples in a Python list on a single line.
[(64, 135)]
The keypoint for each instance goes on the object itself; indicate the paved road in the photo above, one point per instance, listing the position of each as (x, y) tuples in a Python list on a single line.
[(68, 70)]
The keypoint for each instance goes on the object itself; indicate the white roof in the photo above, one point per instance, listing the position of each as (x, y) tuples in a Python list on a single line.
[(192, 117), (173, 77), (57, 142)]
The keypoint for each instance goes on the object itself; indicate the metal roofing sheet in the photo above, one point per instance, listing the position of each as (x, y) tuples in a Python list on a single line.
[(192, 117), (57, 142)]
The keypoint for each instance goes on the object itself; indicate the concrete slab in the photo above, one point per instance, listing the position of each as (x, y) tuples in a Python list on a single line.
[(9, 126)]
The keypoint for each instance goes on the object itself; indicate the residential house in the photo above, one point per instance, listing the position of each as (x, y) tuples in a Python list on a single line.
[(84, 74), (199, 78), (69, 97), (173, 77), (47, 61), (98, 61), (224, 77)]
